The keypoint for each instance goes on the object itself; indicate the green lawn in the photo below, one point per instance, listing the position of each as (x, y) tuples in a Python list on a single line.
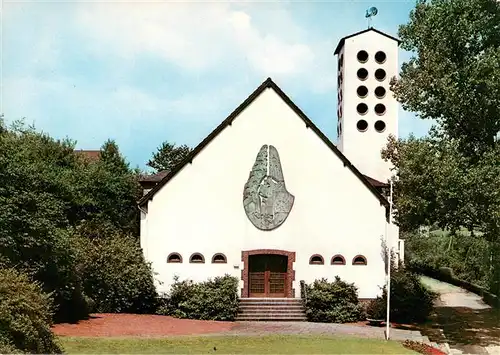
[(274, 344)]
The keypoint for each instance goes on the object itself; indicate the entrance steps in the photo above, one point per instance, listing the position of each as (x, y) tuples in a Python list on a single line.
[(271, 309)]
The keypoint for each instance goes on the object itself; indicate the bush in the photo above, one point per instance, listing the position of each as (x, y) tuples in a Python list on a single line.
[(377, 309), (25, 315), (333, 302), (115, 276), (215, 299), (411, 301), (48, 258), (7, 348)]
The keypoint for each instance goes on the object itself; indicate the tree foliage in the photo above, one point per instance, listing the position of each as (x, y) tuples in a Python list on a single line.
[(452, 177), (437, 185), (46, 190), (454, 76), (468, 257), (113, 271), (168, 156), (35, 190), (109, 190)]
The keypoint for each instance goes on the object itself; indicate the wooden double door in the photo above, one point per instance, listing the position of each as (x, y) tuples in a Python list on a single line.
[(267, 275)]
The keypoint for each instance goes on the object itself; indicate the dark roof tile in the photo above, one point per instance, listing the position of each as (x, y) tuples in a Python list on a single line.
[(92, 155)]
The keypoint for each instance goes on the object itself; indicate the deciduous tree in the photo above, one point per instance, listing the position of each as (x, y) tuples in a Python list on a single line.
[(451, 178), (168, 156), (454, 75)]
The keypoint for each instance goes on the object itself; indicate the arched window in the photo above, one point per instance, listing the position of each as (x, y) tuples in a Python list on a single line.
[(359, 260), (316, 259), (197, 258), (219, 258), (174, 258), (338, 260)]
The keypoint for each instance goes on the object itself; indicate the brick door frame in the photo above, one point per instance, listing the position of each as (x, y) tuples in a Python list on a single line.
[(290, 272)]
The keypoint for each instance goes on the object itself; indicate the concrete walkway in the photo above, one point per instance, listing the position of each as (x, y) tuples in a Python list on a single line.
[(248, 328), (263, 328), (463, 320)]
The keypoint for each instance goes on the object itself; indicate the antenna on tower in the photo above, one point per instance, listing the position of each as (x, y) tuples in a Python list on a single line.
[(372, 11)]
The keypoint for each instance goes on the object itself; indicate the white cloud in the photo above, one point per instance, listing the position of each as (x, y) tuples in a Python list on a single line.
[(201, 37)]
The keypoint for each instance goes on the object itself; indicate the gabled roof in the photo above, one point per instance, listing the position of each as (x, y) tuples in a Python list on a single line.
[(91, 155), (156, 177), (375, 182), (268, 84), (342, 40)]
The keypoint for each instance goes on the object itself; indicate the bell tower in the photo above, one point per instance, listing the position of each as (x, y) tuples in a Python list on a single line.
[(367, 111)]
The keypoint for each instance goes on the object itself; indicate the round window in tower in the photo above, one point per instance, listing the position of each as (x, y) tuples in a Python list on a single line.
[(380, 74), (362, 91), (362, 56), (380, 109), (362, 125), (380, 57), (380, 92), (380, 126), (362, 108), (362, 74)]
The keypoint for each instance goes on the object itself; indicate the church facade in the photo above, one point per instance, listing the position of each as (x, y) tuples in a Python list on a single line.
[(269, 199)]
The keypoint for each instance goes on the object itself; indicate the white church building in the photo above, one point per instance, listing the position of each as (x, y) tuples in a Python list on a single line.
[(269, 199)]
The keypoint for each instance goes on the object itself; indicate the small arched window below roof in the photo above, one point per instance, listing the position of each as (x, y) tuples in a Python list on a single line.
[(316, 259), (338, 260), (197, 258), (359, 260), (174, 258), (219, 258)]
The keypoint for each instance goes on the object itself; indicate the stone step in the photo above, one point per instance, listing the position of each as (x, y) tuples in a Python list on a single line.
[(271, 311), (267, 300), (271, 303), (272, 317), (271, 306)]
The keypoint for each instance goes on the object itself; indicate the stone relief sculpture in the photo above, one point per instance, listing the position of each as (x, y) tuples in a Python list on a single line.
[(266, 200)]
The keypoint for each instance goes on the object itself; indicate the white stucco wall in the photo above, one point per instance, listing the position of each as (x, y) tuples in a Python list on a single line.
[(363, 148), (201, 208)]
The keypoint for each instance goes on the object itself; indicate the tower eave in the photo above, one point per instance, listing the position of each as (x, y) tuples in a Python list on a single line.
[(342, 40)]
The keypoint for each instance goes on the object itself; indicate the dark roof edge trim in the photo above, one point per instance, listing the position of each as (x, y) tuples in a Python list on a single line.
[(268, 83), (342, 40), (189, 158)]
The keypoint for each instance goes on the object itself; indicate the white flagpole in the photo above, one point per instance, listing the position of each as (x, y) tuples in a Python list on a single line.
[(389, 246)]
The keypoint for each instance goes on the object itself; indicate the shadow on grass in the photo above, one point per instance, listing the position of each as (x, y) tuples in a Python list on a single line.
[(464, 326)]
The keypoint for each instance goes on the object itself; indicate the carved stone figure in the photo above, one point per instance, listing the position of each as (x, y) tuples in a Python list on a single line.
[(266, 200)]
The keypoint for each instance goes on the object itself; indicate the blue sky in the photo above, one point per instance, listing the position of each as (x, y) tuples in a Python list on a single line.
[(145, 72)]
